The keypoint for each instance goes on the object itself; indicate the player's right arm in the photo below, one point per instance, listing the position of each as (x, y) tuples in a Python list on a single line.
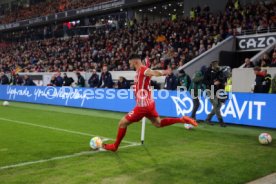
[(155, 73)]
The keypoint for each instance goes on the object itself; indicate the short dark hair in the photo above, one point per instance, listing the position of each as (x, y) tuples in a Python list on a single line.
[(134, 56)]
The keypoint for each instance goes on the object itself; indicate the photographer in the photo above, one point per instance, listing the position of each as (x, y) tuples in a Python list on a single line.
[(216, 78)]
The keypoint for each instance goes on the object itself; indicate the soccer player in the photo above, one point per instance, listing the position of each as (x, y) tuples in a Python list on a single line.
[(145, 105)]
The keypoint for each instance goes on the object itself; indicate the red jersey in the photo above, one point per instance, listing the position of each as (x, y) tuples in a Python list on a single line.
[(142, 89)]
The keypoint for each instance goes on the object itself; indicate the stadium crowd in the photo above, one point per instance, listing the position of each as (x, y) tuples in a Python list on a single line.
[(255, 17), (44, 8), (267, 60), (166, 43)]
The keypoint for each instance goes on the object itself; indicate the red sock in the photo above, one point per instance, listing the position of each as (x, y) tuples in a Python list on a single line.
[(120, 136), (170, 121)]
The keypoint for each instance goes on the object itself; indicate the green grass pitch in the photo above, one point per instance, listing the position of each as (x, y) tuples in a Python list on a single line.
[(50, 145)]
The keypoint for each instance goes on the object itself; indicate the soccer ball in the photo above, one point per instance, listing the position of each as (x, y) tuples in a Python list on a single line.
[(265, 138), (96, 143), (188, 126), (6, 103)]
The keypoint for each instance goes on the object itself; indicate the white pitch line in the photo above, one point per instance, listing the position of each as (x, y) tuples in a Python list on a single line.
[(60, 129), (60, 158)]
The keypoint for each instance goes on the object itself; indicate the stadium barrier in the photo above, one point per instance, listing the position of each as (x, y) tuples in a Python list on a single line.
[(44, 78), (248, 78), (241, 108)]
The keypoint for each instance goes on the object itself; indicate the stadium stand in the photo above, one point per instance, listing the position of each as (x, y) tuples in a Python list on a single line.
[(45, 8), (168, 42)]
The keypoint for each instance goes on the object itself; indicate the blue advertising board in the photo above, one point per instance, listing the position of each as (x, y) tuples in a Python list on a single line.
[(241, 108)]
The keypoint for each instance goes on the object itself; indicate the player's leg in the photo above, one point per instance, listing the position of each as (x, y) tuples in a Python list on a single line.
[(153, 116), (159, 123), (156, 121), (136, 115), (123, 124)]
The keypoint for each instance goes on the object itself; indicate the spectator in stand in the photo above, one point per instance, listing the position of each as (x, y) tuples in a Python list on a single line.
[(17, 80), (67, 81), (106, 79), (259, 80), (248, 63), (4, 80), (170, 81), (123, 83), (58, 80), (46, 8), (263, 64), (273, 61), (28, 81), (94, 79), (81, 81), (265, 60), (52, 81)]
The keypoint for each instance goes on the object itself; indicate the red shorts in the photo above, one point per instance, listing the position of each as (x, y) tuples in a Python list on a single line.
[(139, 112)]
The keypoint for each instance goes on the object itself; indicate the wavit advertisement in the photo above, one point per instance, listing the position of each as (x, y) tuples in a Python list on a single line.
[(241, 108)]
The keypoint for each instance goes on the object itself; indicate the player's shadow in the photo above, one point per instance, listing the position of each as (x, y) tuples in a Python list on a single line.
[(121, 161), (150, 155), (124, 160)]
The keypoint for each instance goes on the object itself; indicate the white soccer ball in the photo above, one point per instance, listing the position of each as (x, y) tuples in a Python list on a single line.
[(96, 143), (6, 103), (265, 138), (188, 126)]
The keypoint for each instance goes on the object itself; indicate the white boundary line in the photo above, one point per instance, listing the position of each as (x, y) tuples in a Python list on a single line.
[(60, 158), (60, 129)]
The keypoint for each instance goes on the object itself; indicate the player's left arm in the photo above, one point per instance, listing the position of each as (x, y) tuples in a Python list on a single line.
[(150, 73)]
